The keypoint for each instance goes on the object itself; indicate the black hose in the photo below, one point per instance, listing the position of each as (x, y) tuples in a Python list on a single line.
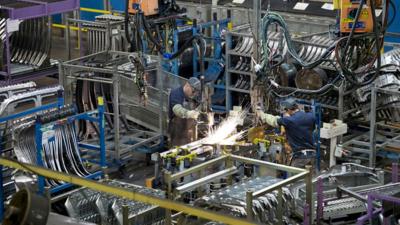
[(377, 42), (348, 74), (146, 27), (160, 48), (126, 26)]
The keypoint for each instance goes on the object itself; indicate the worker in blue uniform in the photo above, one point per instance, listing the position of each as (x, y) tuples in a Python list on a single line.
[(299, 126), (183, 112)]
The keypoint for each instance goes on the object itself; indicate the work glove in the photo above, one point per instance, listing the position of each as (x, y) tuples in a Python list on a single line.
[(193, 114), (259, 111)]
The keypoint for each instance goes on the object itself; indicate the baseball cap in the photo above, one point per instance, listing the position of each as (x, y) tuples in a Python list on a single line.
[(289, 103), (195, 83)]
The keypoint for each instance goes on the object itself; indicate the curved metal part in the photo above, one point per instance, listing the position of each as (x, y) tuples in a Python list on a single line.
[(311, 79), (17, 87), (27, 95), (239, 44), (239, 63), (245, 45), (249, 46)]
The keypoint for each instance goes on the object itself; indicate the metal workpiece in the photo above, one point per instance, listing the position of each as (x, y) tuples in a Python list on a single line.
[(10, 90), (105, 33), (25, 48), (32, 50), (92, 206), (129, 98), (36, 96), (259, 199), (354, 180), (239, 200)]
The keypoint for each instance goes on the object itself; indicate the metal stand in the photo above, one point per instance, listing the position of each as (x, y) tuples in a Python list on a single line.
[(39, 127), (35, 9), (230, 160), (118, 77), (392, 142)]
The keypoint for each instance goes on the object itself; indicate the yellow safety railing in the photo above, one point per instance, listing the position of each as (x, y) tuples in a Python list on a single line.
[(125, 193), (95, 10), (82, 9)]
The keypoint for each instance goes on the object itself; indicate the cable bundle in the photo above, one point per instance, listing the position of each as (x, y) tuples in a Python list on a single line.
[(274, 18)]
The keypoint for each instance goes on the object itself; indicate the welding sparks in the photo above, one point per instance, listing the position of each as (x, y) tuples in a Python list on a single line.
[(225, 132)]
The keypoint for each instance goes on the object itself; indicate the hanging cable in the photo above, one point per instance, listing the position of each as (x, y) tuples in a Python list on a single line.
[(274, 18)]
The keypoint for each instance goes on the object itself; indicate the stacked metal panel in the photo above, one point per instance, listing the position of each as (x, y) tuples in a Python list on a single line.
[(232, 200), (10, 95), (99, 38), (30, 45), (91, 206)]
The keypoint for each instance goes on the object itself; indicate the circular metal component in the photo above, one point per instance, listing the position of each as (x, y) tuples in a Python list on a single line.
[(27, 208), (311, 79)]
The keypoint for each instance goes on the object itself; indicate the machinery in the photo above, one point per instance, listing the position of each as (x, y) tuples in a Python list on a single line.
[(236, 171)]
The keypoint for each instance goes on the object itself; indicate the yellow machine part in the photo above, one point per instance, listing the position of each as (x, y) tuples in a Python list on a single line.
[(255, 133), (336, 4)]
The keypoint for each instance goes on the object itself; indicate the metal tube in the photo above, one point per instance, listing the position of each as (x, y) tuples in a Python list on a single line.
[(68, 37), (79, 31), (275, 166), (309, 193), (8, 53), (395, 172), (125, 215), (205, 180), (108, 36), (372, 154), (116, 83), (198, 167), (279, 209), (320, 201), (160, 82), (256, 27), (306, 215), (228, 100), (281, 184), (229, 163), (249, 204), (104, 81), (168, 213)]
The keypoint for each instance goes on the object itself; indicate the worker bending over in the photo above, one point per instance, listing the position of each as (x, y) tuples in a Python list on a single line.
[(183, 114), (299, 127)]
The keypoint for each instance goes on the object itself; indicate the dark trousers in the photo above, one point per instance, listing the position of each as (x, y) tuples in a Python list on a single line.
[(181, 131)]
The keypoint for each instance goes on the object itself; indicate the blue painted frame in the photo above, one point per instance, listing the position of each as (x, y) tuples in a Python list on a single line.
[(38, 139)]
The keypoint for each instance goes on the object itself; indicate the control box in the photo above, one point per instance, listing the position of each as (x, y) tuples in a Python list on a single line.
[(149, 7), (348, 12)]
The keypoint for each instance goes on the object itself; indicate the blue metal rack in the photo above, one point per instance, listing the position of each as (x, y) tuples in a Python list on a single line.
[(96, 116)]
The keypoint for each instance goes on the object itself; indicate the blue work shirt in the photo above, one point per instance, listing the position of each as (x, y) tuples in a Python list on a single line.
[(177, 96), (299, 130)]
